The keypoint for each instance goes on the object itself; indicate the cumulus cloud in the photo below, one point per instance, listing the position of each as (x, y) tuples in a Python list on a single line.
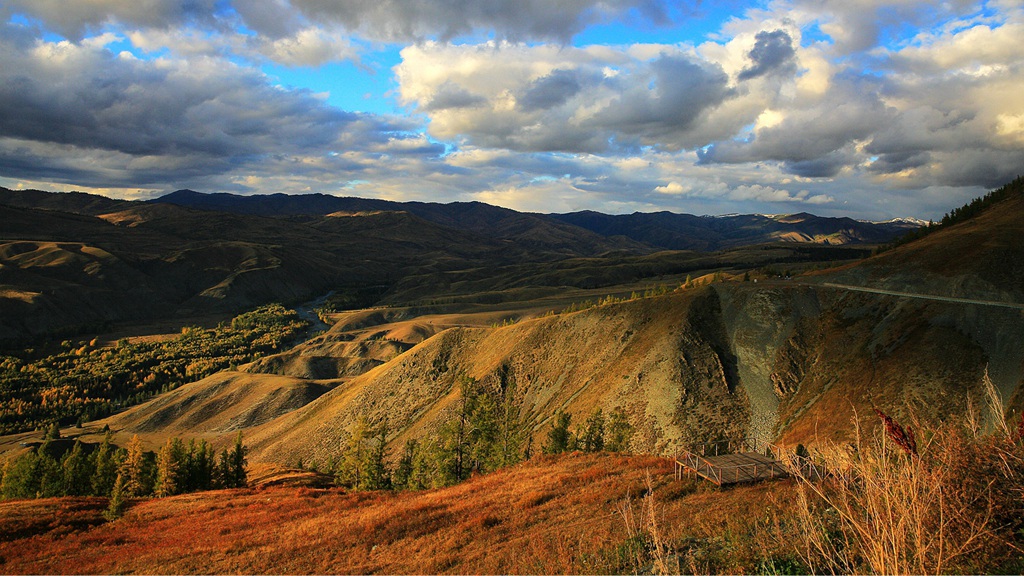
[(549, 91), (548, 98), (839, 105), (815, 140), (81, 105)]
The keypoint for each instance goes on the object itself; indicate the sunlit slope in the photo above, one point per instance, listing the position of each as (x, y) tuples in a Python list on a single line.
[(215, 407), (662, 360)]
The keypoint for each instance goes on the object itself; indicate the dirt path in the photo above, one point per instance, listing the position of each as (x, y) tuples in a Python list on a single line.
[(1013, 305)]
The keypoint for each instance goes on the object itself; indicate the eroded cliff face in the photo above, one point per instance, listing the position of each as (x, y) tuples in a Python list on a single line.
[(815, 359)]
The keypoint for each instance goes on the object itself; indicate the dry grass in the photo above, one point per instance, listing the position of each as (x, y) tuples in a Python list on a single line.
[(954, 506), (550, 515), (957, 508)]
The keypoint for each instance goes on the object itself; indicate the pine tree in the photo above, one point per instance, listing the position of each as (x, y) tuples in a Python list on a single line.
[(21, 477), (513, 431), (171, 469), (375, 472), (239, 477), (620, 432), (559, 438), (118, 499), (592, 437), (484, 430), (105, 471), (350, 468), (200, 462), (51, 475), (424, 466), (77, 469), (224, 477), (403, 475)]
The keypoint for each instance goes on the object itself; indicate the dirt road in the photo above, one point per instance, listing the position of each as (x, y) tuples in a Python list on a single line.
[(925, 296)]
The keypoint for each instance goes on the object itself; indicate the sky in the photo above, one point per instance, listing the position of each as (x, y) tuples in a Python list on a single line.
[(873, 109)]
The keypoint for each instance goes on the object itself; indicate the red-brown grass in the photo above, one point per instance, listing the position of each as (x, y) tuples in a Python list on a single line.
[(549, 515)]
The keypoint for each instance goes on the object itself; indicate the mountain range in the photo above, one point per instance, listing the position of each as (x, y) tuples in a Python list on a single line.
[(74, 261)]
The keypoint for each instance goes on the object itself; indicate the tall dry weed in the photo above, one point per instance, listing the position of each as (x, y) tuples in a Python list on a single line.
[(997, 412), (954, 506), (646, 544)]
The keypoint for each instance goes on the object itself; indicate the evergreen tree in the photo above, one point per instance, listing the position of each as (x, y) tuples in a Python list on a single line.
[(77, 468), (559, 438), (424, 468), (513, 433), (375, 473), (353, 457), (403, 475), (449, 453), (592, 437), (484, 429), (21, 477), (201, 462), (171, 469), (118, 499), (51, 476), (105, 471), (239, 476), (224, 476), (620, 431)]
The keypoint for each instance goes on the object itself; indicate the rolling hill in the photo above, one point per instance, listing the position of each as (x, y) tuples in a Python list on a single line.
[(76, 262), (787, 360), (587, 233), (671, 231)]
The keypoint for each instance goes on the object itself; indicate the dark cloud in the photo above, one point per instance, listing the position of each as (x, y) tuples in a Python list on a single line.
[(899, 161), (66, 107), (772, 51), (549, 91), (682, 90), (825, 166), (75, 19), (415, 20)]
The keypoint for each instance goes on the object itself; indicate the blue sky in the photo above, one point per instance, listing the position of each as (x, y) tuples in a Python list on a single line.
[(868, 108)]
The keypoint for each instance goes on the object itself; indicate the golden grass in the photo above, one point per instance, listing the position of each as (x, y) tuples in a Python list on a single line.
[(952, 505)]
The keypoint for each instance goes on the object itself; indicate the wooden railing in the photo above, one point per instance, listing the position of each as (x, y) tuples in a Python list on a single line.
[(787, 462)]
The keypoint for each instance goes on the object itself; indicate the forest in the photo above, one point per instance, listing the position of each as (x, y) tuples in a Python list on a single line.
[(80, 381)]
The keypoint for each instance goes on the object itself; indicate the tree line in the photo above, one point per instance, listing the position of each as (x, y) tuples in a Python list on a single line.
[(52, 470), (487, 430), (961, 214)]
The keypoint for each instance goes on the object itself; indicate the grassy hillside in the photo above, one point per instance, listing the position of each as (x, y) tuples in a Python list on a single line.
[(952, 507), (547, 516)]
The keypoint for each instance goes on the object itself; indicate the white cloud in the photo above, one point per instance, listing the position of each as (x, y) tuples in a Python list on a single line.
[(551, 98)]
